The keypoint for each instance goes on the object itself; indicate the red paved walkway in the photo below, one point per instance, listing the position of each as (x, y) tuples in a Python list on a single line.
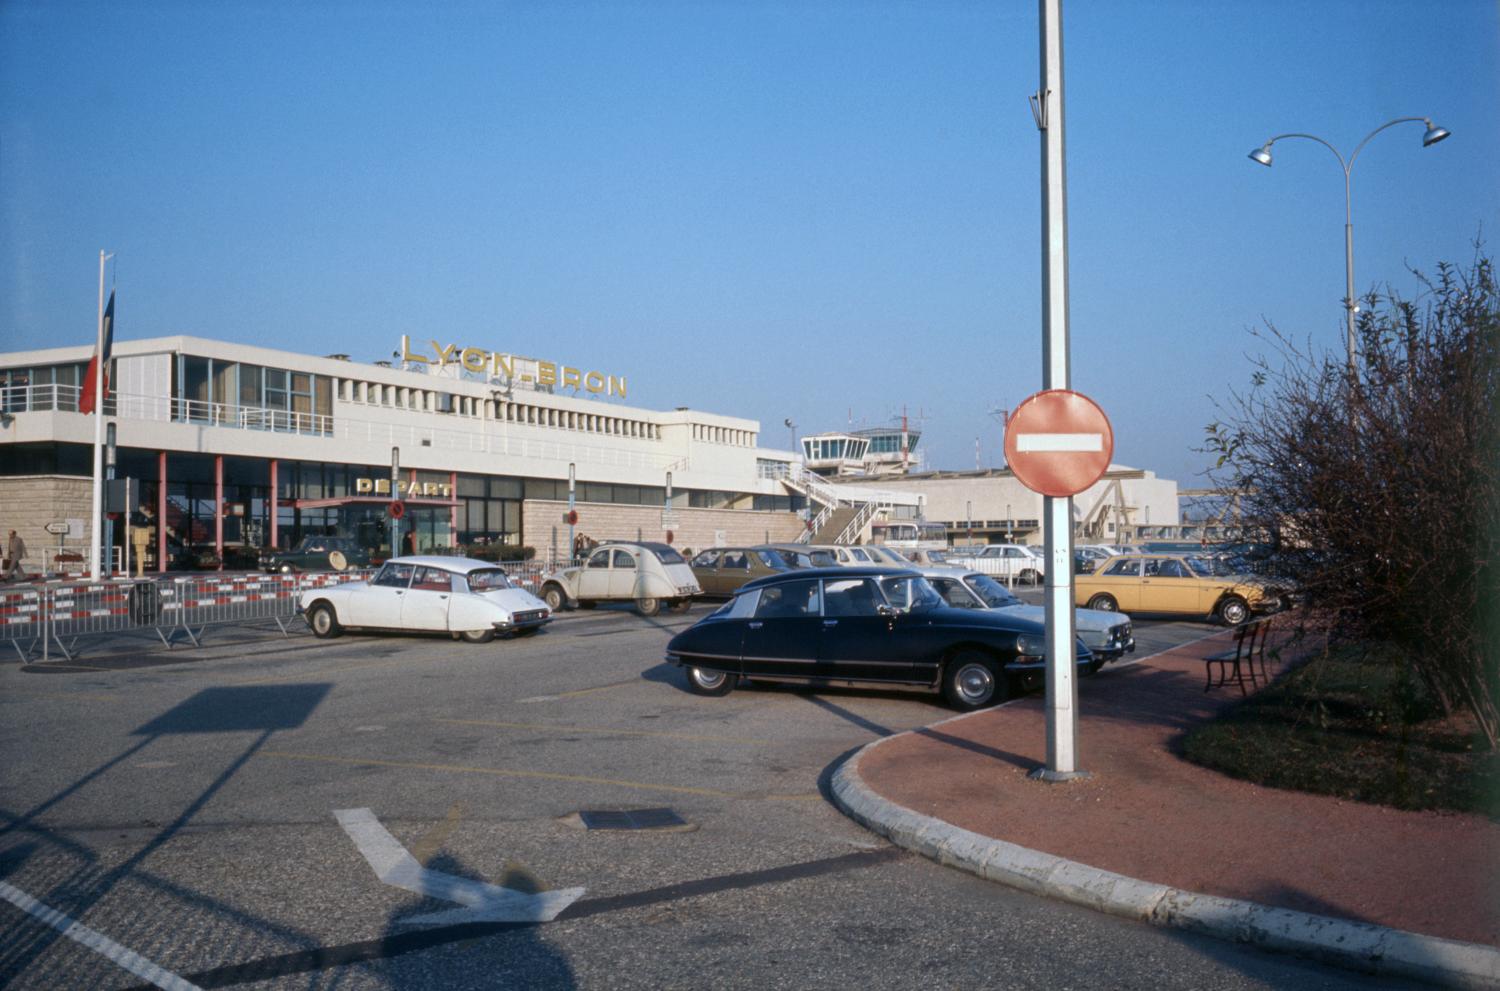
[(1149, 814)]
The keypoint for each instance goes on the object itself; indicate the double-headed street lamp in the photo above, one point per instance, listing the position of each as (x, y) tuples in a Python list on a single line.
[(1263, 156)]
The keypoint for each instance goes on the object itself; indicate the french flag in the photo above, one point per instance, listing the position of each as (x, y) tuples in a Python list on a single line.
[(88, 400)]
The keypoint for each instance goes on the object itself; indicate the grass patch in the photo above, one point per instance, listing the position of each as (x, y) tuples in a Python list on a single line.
[(1353, 725)]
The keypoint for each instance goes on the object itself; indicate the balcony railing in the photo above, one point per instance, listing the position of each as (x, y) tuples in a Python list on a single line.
[(160, 409)]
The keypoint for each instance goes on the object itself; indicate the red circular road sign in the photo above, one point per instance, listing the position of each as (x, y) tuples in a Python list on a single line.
[(571, 517), (1058, 442), (397, 509)]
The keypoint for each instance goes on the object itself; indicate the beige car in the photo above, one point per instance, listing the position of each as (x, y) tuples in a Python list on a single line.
[(1172, 583)]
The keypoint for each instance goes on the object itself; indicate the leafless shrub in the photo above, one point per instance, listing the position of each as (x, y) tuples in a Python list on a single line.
[(1381, 495)]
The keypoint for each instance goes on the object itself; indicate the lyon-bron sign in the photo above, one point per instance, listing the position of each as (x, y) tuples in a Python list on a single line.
[(514, 368)]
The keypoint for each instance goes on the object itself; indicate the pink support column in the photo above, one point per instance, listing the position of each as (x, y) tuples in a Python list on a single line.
[(219, 508), (453, 509), (161, 512), (275, 503)]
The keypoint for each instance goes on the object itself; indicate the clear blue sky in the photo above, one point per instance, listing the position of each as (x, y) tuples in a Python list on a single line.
[(764, 209)]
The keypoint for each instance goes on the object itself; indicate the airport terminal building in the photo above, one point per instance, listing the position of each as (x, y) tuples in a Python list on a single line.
[(241, 448)]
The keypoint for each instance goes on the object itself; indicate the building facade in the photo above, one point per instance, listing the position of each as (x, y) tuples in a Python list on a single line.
[(241, 448)]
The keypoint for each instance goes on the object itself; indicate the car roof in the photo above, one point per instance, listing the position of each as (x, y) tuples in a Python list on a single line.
[(861, 571), (458, 565)]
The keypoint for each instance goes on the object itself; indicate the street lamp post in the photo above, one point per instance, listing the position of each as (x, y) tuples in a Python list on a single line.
[(1262, 155)]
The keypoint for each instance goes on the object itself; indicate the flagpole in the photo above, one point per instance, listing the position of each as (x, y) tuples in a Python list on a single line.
[(96, 541)]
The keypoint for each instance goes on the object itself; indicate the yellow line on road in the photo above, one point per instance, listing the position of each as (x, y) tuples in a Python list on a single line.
[(603, 731), (501, 772)]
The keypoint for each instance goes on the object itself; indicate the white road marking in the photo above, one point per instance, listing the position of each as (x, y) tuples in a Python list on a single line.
[(482, 902), (96, 941), (1059, 442)]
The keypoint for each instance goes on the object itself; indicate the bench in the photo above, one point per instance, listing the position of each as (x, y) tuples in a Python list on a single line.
[(1249, 649)]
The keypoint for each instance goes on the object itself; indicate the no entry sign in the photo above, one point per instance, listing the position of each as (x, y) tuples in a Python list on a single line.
[(1058, 442)]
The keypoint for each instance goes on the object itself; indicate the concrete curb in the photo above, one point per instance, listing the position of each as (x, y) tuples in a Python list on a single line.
[(1356, 945)]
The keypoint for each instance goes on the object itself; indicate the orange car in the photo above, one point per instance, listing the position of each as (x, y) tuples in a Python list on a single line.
[(1171, 583)]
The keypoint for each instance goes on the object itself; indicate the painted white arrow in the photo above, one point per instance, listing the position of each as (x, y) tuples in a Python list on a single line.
[(482, 902)]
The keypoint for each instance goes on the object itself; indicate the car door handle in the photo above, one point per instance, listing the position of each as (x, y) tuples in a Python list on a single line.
[(830, 622), (756, 626), (442, 597)]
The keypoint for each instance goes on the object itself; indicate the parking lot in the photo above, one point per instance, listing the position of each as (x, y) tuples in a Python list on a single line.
[(291, 813)]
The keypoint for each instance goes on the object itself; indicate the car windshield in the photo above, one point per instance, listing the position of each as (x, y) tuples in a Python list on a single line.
[(910, 593), (994, 594), (488, 579), (937, 557), (772, 559)]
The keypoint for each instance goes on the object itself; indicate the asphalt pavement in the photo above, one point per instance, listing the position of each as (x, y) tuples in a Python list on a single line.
[(185, 815)]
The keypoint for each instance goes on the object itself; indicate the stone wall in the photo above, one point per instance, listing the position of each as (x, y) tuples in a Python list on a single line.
[(29, 502), (695, 529)]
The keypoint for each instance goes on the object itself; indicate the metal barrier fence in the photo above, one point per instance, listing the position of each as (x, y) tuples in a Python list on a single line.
[(55, 615)]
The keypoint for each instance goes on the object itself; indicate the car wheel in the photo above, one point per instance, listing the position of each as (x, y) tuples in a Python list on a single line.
[(1030, 577), (1104, 603), (648, 606), (1233, 611), (970, 682), (325, 625), (553, 596), (287, 569), (477, 636), (704, 682)]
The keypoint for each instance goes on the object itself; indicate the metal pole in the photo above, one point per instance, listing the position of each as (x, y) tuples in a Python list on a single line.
[(572, 487), (95, 541), (109, 524), (1062, 685), (395, 494), (1349, 306)]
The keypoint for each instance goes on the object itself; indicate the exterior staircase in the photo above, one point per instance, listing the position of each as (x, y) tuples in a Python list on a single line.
[(835, 525)]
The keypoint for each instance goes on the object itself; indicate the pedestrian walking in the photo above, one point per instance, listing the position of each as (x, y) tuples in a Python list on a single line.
[(15, 551)]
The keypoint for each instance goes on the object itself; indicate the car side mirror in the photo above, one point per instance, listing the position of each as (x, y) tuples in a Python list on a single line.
[(887, 610)]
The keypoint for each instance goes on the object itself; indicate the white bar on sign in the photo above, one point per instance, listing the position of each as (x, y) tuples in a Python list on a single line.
[(1059, 442)]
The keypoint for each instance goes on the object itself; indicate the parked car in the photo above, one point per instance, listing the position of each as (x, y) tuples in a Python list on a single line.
[(848, 555), (887, 555), (1171, 583), (804, 555), (1087, 558), (1108, 635), (1017, 562), (470, 599), (924, 558), (721, 570), (882, 626), (317, 554), (647, 574)]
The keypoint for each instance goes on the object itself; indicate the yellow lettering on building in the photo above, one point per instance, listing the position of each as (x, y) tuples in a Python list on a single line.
[(570, 379), (473, 359), (363, 486), (505, 365), (382, 486), (594, 382), (444, 354), (406, 354), (617, 386), (546, 373)]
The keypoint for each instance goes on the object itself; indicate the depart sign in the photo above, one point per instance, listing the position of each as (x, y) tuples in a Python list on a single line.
[(514, 368)]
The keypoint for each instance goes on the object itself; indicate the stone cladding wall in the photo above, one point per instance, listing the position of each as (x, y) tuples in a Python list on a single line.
[(29, 502)]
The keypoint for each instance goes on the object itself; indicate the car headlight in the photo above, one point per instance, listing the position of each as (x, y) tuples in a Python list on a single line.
[(1031, 646)]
